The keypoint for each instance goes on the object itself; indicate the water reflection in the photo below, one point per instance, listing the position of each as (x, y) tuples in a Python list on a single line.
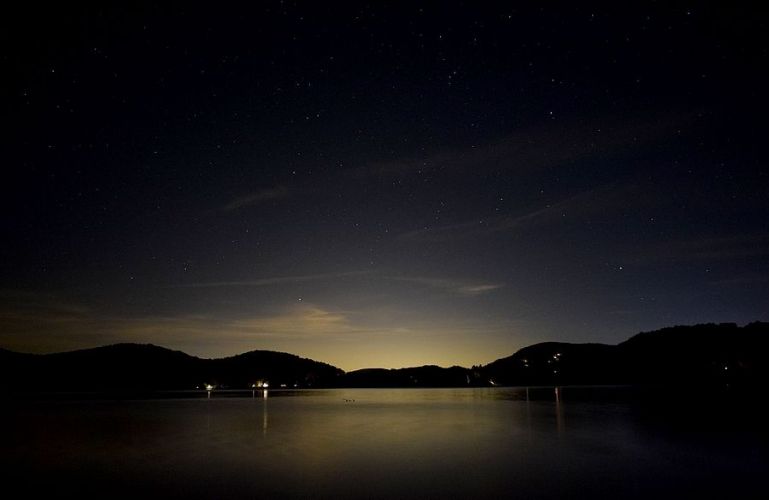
[(386, 444), (261, 388), (558, 411), (264, 415), (528, 415)]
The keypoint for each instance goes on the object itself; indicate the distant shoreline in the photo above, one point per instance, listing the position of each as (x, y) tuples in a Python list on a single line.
[(709, 354)]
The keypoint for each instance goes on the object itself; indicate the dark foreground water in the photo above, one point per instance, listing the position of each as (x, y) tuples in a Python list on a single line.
[(382, 443)]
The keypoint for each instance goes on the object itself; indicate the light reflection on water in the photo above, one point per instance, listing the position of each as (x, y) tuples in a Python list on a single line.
[(386, 443)]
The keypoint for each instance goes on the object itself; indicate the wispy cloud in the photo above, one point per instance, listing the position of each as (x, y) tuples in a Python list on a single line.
[(740, 281), (57, 329), (256, 198), (453, 286), (707, 249), (41, 321), (274, 280), (347, 338), (39, 303), (591, 200), (303, 322), (29, 330), (546, 146), (307, 321), (478, 289)]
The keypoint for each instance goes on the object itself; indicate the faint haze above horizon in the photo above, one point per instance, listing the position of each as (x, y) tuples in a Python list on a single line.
[(380, 185)]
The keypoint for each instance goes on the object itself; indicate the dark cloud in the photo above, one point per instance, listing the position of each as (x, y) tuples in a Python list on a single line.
[(257, 198)]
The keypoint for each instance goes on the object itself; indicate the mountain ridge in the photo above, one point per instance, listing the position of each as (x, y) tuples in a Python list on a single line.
[(711, 353)]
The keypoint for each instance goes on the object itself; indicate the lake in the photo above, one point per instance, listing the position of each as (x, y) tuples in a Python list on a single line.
[(390, 443)]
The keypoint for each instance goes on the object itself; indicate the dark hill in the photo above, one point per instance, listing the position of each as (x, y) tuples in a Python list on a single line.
[(278, 368), (555, 363), (711, 352), (708, 353), (121, 366), (136, 367)]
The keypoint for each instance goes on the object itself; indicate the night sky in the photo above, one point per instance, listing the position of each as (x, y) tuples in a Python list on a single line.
[(379, 185)]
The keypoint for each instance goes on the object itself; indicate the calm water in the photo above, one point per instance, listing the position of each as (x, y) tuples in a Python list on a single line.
[(382, 443)]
